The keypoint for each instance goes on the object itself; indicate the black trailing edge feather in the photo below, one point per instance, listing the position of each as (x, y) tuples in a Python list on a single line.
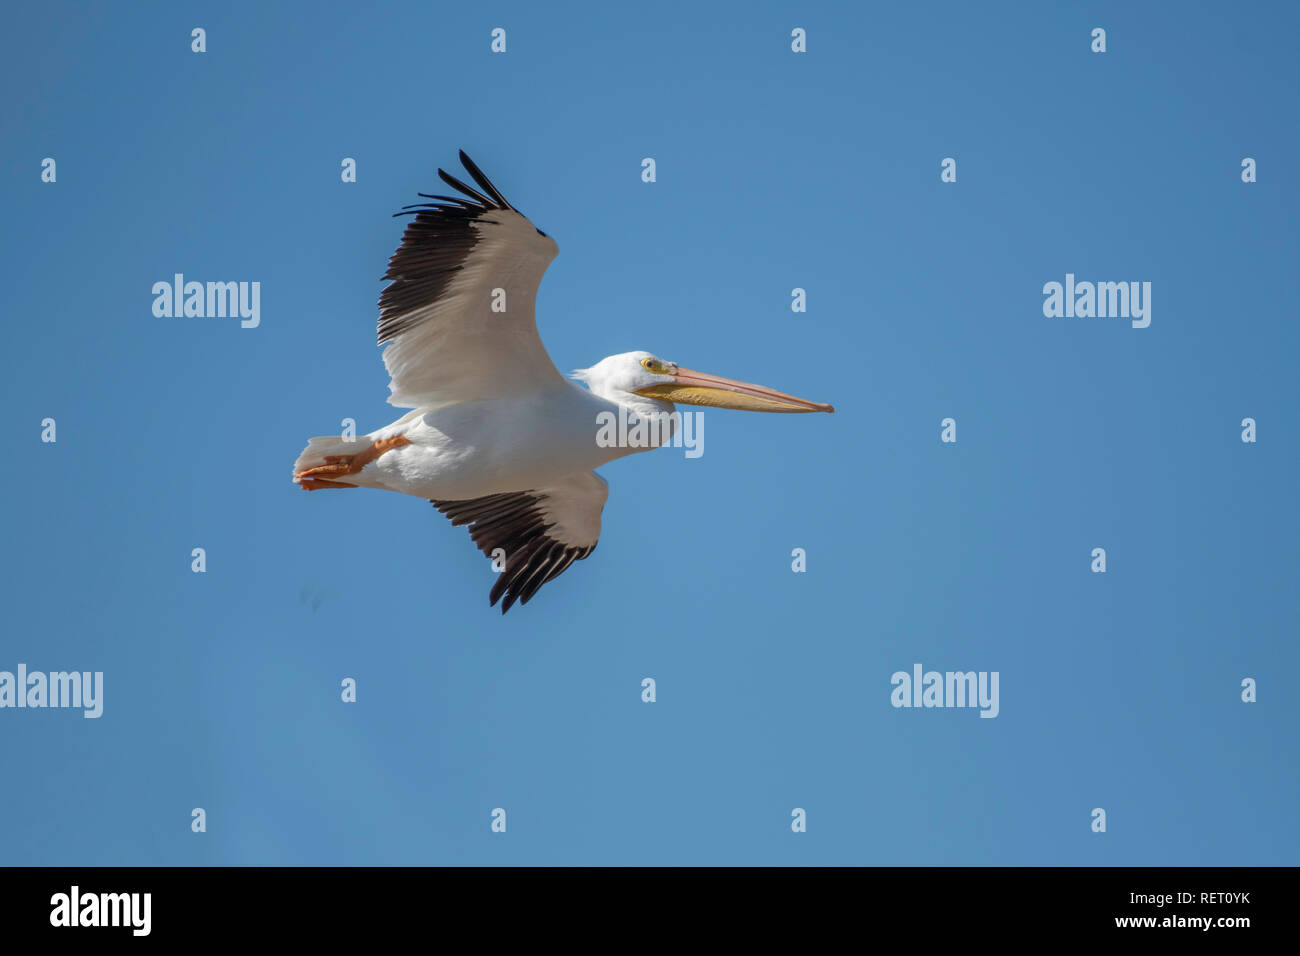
[(434, 248), (515, 523)]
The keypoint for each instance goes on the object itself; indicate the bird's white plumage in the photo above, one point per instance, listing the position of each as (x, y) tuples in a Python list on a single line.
[(572, 508), (512, 443), (458, 348)]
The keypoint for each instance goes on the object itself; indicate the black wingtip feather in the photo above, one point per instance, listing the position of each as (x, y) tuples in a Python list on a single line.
[(455, 183), (483, 182)]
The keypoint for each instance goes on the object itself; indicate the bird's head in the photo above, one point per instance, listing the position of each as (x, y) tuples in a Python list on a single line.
[(649, 376)]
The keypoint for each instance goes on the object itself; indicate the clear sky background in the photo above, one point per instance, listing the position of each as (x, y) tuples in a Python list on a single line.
[(776, 170)]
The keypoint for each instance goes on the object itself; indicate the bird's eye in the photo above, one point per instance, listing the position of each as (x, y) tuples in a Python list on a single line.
[(648, 364)]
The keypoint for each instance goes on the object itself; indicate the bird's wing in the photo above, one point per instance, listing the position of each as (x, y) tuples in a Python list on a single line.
[(459, 259), (541, 532)]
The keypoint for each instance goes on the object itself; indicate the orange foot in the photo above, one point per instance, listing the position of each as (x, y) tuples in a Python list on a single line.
[(336, 466), (313, 484)]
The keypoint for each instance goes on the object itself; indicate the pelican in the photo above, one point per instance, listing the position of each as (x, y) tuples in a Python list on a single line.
[(497, 439)]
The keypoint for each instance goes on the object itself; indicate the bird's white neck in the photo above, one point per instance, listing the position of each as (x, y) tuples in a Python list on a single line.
[(641, 423)]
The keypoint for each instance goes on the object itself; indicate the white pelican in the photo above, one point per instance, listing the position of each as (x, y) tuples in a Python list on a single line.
[(497, 438)]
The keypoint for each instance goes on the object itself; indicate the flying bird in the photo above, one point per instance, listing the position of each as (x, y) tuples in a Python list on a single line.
[(497, 439)]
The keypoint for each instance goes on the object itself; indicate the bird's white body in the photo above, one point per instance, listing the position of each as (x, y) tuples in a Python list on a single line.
[(476, 448)]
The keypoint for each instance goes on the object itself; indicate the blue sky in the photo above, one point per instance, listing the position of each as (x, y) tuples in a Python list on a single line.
[(775, 170)]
